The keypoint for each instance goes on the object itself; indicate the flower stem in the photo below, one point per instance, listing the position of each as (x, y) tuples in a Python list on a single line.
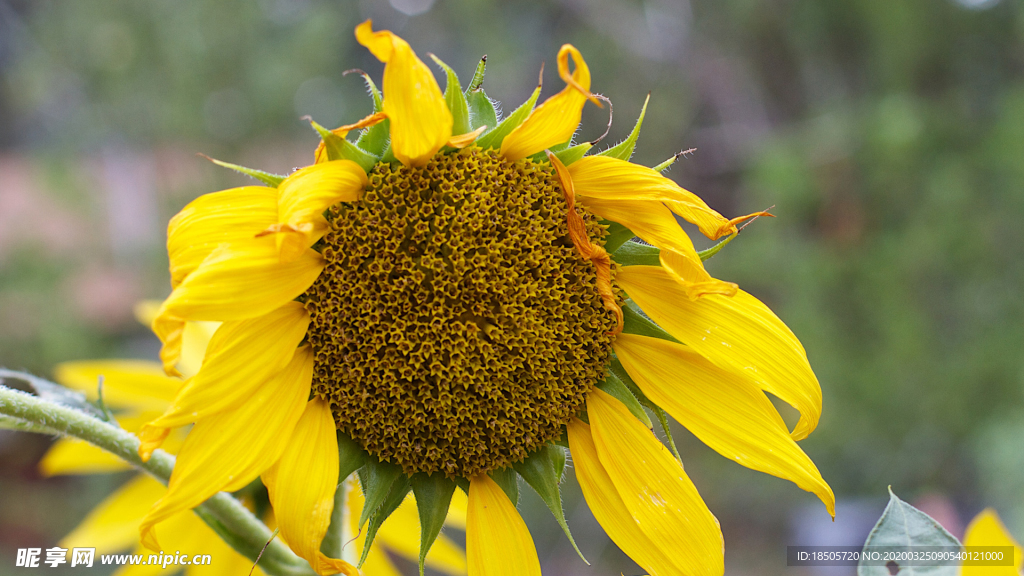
[(232, 521)]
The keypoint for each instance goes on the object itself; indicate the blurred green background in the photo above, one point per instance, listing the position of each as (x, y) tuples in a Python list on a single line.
[(889, 136)]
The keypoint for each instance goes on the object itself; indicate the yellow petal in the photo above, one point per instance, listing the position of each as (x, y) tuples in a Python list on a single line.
[(420, 120), (463, 140), (739, 334), (305, 195), (239, 281), (607, 178), (400, 534), (302, 484), (134, 384), (73, 456), (986, 529), (655, 224), (378, 564), (457, 510), (727, 412), (497, 540), (114, 523), (213, 219), (145, 311), (554, 121), (228, 450), (195, 338), (608, 508), (242, 355), (661, 498), (186, 533)]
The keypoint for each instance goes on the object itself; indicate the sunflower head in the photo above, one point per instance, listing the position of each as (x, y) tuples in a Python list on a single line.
[(451, 300)]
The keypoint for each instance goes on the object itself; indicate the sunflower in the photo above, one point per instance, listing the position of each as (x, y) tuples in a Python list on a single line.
[(460, 300), (139, 391)]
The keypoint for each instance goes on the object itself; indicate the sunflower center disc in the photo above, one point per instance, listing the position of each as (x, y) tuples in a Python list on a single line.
[(455, 326)]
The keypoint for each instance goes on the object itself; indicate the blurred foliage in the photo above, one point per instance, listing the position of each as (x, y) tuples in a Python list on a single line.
[(889, 136)]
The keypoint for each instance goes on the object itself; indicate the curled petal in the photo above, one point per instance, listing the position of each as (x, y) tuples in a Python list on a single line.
[(578, 234), (607, 178), (554, 121), (420, 120)]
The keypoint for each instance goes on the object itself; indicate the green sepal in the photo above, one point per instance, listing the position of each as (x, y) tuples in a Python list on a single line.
[(506, 478), (494, 138), (394, 499), (351, 456), (463, 485), (612, 385), (635, 322), (433, 496), (570, 155), (663, 420), (272, 180), (377, 479), (617, 235), (637, 254), (666, 164), (705, 254), (543, 471), (542, 156), (455, 99), (624, 150), (338, 148), (374, 138)]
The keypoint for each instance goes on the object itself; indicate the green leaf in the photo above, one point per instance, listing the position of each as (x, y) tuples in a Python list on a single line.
[(338, 148), (612, 385), (394, 499), (272, 180), (637, 254), (617, 235), (351, 456), (624, 150), (433, 496), (570, 155), (494, 138), (663, 420), (635, 322), (374, 138), (377, 479), (543, 470), (902, 525), (506, 478), (455, 99)]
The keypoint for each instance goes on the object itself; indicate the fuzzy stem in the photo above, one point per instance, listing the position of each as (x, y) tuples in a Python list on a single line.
[(222, 512)]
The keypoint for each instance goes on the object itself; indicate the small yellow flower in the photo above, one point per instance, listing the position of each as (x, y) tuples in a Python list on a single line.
[(139, 391), (986, 529), (445, 292)]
